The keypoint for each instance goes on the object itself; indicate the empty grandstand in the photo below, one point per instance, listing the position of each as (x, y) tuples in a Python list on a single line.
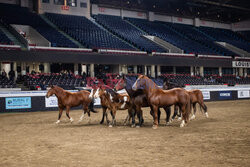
[(96, 39)]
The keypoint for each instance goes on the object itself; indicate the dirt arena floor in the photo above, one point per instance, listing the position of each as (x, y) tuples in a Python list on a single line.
[(32, 139)]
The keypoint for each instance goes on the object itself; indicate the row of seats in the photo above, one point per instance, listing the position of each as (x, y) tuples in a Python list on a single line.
[(64, 80), (186, 37), (245, 35), (186, 79), (127, 32), (223, 35), (87, 33), (13, 14), (4, 40), (7, 83)]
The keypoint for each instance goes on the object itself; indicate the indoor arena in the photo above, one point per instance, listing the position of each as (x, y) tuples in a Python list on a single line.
[(125, 83)]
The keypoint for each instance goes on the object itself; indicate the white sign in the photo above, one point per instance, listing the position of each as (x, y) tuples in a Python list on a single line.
[(244, 64), (51, 101), (243, 93), (206, 95)]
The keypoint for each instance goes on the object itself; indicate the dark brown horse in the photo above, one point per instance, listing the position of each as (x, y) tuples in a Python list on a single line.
[(138, 99), (112, 101), (158, 97), (68, 99)]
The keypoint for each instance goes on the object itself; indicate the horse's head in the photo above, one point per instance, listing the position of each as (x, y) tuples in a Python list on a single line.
[(121, 84), (143, 82), (51, 91), (140, 83)]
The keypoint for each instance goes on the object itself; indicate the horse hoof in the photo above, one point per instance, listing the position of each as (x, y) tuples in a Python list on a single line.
[(71, 120), (138, 126), (182, 124), (206, 114), (101, 122), (179, 118), (193, 117), (110, 126), (125, 124), (155, 126), (168, 123), (57, 122), (133, 125)]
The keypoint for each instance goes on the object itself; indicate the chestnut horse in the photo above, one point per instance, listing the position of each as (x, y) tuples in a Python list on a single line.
[(197, 97), (158, 97), (138, 100), (68, 99), (112, 101)]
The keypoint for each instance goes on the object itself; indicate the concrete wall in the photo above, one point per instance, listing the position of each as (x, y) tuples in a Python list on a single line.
[(118, 12), (241, 26), (107, 11), (32, 35), (53, 8), (9, 1)]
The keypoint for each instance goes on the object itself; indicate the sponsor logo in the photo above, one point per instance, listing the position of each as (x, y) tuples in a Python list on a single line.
[(225, 95), (206, 95), (51, 101), (17, 102), (244, 64), (243, 94)]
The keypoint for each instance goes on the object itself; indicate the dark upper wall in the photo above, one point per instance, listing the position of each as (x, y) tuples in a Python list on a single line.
[(78, 57)]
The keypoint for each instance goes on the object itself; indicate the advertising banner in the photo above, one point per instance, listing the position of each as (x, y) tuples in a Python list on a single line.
[(17, 102), (243, 64), (243, 94), (225, 95), (206, 95), (51, 101)]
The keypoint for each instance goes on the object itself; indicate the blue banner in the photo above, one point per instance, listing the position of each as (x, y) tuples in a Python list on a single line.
[(18, 102), (225, 95)]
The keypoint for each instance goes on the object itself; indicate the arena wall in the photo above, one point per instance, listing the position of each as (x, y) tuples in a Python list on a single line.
[(78, 10), (36, 100)]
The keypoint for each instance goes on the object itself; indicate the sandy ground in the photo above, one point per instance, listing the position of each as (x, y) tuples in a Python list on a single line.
[(32, 139)]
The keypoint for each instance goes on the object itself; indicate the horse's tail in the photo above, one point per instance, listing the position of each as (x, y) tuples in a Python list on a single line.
[(91, 106)]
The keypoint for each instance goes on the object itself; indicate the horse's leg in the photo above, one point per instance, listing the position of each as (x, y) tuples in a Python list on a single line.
[(83, 113), (139, 115), (67, 113), (155, 109), (175, 112), (168, 113), (127, 119), (113, 113), (159, 114), (104, 109), (183, 111), (194, 111), (133, 113), (178, 112), (186, 110), (204, 108), (59, 116)]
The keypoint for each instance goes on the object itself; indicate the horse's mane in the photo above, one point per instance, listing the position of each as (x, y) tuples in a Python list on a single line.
[(59, 90), (131, 92)]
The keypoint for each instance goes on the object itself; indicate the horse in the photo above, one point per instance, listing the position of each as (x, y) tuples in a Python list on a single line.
[(138, 99), (158, 97), (68, 99), (195, 95), (112, 101)]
